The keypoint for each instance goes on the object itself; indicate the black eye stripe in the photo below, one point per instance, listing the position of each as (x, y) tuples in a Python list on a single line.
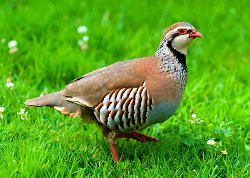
[(189, 31)]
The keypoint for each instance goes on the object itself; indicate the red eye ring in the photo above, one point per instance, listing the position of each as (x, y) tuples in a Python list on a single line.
[(182, 31)]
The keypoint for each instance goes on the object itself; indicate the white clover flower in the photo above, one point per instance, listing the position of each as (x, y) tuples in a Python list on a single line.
[(22, 113), (10, 85), (85, 38), (211, 142), (82, 29), (12, 44), (224, 152), (195, 119), (2, 109)]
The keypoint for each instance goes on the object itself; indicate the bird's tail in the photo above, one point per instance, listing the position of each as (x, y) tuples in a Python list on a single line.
[(57, 101), (52, 99)]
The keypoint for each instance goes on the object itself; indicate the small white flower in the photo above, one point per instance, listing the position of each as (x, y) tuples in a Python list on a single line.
[(193, 115), (22, 113), (10, 85), (195, 119), (224, 152), (1, 112), (211, 142), (2, 109), (82, 29), (12, 44), (85, 38), (198, 121)]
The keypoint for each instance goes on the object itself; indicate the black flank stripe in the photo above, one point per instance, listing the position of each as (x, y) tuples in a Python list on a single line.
[(144, 114), (113, 113), (120, 113), (126, 106), (138, 113), (133, 108), (106, 116), (115, 103), (132, 117), (115, 93), (108, 104), (122, 102), (117, 128), (126, 114), (111, 93), (122, 92), (128, 122), (129, 91)]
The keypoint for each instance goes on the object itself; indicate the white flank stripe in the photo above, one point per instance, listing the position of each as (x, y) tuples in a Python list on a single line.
[(118, 106), (125, 94), (103, 110), (106, 99), (111, 106), (143, 100), (116, 118), (132, 93), (112, 99), (102, 118), (119, 95), (137, 96), (110, 123)]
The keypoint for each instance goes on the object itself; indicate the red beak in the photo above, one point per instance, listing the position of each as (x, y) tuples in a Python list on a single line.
[(195, 34)]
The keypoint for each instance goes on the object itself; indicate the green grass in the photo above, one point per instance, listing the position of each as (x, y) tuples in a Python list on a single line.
[(47, 144)]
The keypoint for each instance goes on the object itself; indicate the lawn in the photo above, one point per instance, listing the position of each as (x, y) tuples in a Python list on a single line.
[(48, 55)]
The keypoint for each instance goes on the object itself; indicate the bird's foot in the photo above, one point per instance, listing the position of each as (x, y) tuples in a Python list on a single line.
[(112, 137), (137, 136)]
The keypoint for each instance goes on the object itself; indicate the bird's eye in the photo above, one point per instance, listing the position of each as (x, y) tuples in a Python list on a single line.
[(182, 31)]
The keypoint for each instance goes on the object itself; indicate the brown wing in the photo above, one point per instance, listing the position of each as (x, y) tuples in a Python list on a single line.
[(89, 89)]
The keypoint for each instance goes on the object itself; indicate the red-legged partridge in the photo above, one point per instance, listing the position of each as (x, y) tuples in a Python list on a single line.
[(130, 95)]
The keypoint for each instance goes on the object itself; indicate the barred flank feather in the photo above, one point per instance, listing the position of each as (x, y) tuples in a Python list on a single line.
[(125, 109)]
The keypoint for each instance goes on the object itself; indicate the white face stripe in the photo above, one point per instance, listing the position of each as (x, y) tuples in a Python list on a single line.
[(185, 27)]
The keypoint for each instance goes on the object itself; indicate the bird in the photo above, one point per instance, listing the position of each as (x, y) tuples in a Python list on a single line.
[(130, 95)]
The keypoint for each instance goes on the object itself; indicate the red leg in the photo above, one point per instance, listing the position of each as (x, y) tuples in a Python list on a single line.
[(137, 136), (112, 136), (112, 145), (114, 151)]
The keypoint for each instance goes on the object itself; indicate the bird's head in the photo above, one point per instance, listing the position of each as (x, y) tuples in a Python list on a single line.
[(180, 35)]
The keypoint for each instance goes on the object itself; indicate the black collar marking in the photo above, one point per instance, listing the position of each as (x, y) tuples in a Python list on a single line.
[(181, 57)]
